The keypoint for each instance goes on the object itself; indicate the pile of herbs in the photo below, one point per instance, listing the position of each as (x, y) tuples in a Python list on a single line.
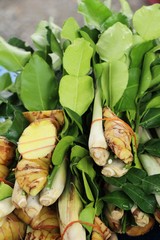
[(120, 50)]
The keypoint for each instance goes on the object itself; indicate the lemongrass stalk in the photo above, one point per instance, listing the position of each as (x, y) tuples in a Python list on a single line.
[(114, 168), (6, 207), (19, 198), (141, 218), (69, 208), (149, 162), (49, 195), (97, 143), (33, 206)]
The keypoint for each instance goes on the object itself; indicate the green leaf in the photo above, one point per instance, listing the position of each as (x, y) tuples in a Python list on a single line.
[(70, 29), (116, 17), (138, 51), (4, 126), (86, 165), (38, 85), (61, 149), (119, 199), (87, 215), (146, 75), (152, 147), (12, 58), (76, 59), (114, 42), (87, 188), (151, 118), (154, 102), (5, 191), (127, 101), (5, 81), (145, 202), (94, 12), (76, 93), (151, 184), (118, 182), (145, 22), (114, 81), (39, 37), (75, 118), (136, 175), (78, 152), (19, 123)]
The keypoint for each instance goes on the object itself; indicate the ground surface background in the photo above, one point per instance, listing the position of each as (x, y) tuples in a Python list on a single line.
[(19, 18)]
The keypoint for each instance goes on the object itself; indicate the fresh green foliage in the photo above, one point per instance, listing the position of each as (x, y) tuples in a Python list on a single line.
[(95, 12), (38, 89), (145, 22), (70, 29), (114, 43), (17, 57), (111, 77), (119, 199), (5, 191), (76, 89)]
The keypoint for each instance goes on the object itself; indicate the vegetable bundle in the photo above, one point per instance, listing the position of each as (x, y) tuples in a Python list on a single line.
[(80, 127)]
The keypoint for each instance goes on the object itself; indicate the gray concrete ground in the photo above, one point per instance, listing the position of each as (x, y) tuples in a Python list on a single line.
[(20, 17)]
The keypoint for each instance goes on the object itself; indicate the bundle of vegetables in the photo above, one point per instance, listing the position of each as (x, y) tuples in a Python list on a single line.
[(79, 126)]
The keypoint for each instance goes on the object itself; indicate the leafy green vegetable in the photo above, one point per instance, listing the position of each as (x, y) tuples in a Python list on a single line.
[(61, 149), (76, 59), (95, 12), (114, 42), (70, 29), (151, 184), (145, 22), (152, 147), (76, 89), (112, 75), (145, 202), (5, 191), (39, 86), (17, 57), (119, 199)]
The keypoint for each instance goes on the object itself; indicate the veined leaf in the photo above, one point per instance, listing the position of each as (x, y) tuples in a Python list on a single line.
[(152, 147), (114, 42), (87, 188), (127, 101), (145, 22), (151, 118), (114, 81), (154, 102), (94, 12), (61, 149), (145, 202), (38, 89), (151, 184), (76, 59), (87, 215), (12, 58), (119, 199), (76, 93), (70, 29), (136, 175), (86, 165)]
